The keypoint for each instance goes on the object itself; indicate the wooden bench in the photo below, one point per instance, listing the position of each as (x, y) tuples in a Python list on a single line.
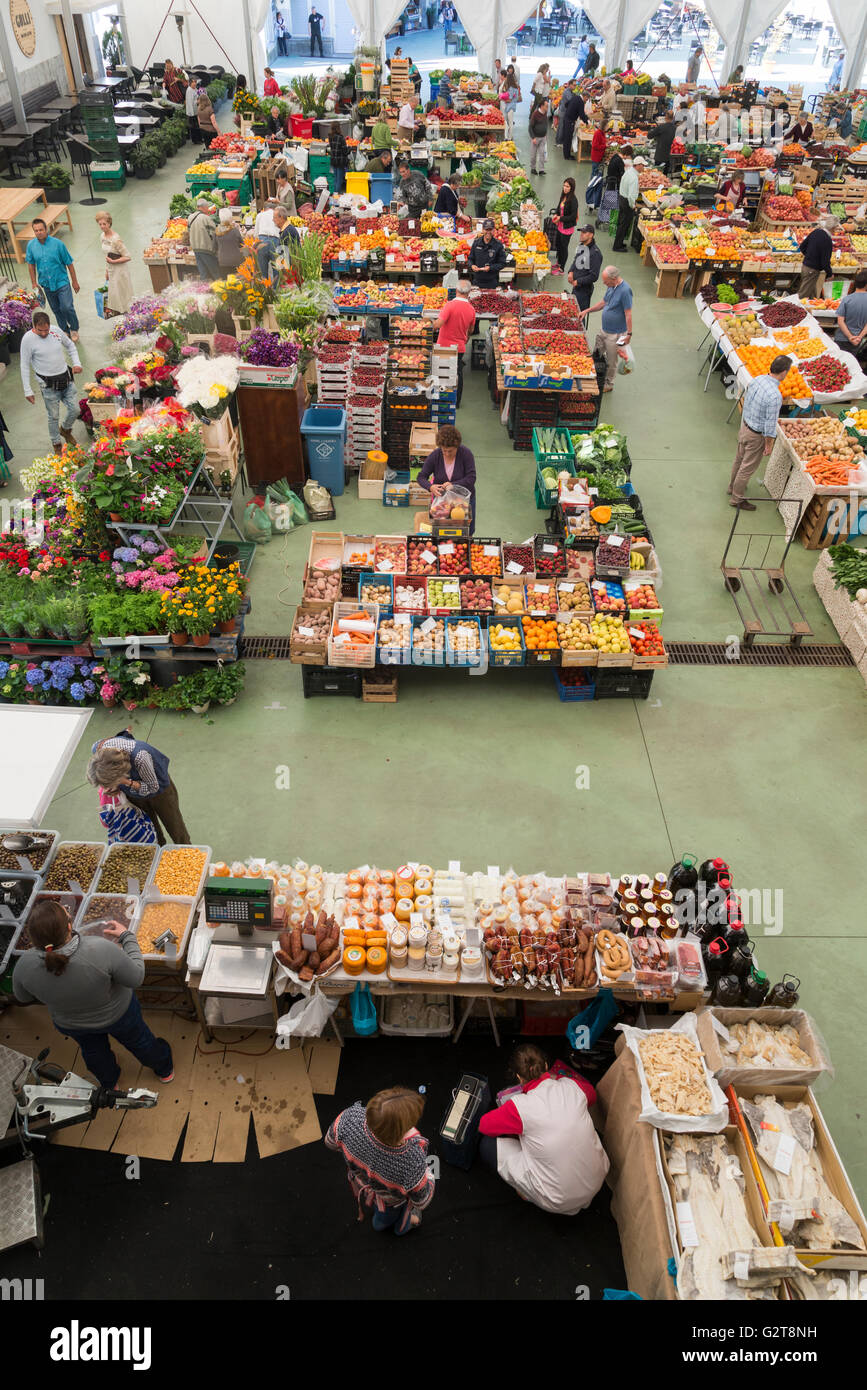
[(53, 215)]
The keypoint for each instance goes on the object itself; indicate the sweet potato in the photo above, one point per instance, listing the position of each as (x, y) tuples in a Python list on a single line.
[(327, 962), (306, 974), (313, 959)]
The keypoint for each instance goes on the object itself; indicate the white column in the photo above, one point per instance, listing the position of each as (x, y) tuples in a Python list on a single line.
[(11, 75), (72, 44), (127, 46), (251, 66)]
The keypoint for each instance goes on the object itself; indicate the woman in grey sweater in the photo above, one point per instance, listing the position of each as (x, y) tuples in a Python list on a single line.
[(87, 984)]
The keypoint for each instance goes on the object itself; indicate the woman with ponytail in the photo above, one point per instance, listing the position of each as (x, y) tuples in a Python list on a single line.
[(87, 984)]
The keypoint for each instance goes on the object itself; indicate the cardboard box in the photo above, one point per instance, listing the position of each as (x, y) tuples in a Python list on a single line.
[(370, 480), (728, 1073), (833, 1171)]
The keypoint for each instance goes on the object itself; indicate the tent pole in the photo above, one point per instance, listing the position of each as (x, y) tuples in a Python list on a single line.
[(251, 81), (11, 75)]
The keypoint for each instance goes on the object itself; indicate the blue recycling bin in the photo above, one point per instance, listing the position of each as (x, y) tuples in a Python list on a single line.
[(324, 430), (381, 187)]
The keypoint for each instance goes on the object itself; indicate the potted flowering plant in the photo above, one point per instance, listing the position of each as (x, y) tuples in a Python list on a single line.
[(269, 358), (131, 680), (12, 681), (15, 320)]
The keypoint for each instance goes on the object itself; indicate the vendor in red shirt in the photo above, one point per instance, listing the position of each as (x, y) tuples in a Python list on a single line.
[(542, 1141), (733, 189), (598, 146), (456, 319), (271, 89)]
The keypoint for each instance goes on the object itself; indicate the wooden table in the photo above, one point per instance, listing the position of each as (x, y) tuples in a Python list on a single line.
[(13, 202), (53, 214), (25, 129)]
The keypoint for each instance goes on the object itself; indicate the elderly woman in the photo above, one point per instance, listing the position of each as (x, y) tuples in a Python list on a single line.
[(230, 242), (449, 463), (87, 984), (125, 763), (117, 262), (541, 88), (174, 83)]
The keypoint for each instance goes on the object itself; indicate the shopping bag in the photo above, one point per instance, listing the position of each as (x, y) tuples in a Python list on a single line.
[(550, 228), (593, 191), (363, 1011), (625, 359), (308, 1017)]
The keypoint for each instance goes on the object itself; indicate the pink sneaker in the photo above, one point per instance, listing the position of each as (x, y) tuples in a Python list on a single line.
[(166, 1079)]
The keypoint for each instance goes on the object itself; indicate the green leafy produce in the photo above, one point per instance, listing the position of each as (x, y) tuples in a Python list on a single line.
[(849, 568), (726, 295)]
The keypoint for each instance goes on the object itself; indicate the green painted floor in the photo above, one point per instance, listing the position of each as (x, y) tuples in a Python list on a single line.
[(766, 767)]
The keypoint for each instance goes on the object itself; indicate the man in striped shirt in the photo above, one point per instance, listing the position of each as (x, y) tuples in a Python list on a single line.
[(761, 410)]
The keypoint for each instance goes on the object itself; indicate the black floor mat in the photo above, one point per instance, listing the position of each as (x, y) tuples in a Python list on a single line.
[(240, 1231)]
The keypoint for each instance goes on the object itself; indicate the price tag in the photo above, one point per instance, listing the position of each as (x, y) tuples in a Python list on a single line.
[(741, 1264), (402, 619), (384, 565), (541, 588), (450, 586), (686, 1224), (636, 633), (594, 491), (513, 567), (342, 639), (782, 1159), (411, 224), (428, 556), (428, 625), (454, 866), (306, 632), (567, 588), (308, 941), (549, 550), (447, 548), (490, 550), (599, 585), (350, 924), (493, 871), (505, 217), (416, 920), (615, 540)]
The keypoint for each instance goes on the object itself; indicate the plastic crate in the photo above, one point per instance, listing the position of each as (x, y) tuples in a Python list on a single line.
[(90, 844), (385, 581), (391, 1004), (344, 654), (570, 689), (302, 128), (517, 658), (453, 656), (26, 868), (619, 683), (330, 680), (166, 849), (426, 656)]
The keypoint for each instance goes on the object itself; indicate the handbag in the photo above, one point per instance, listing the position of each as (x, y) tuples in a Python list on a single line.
[(550, 227)]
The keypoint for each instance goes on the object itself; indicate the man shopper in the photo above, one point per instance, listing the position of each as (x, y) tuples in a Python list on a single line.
[(448, 201), (664, 133), (816, 250), (592, 61), (627, 197), (413, 190), (761, 409), (52, 268), (456, 319), (54, 360), (487, 257), (616, 329), (202, 231), (315, 23), (585, 268), (382, 163), (851, 328)]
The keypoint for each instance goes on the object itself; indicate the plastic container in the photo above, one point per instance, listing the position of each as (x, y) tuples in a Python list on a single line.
[(109, 907), (324, 428), (115, 852), (152, 877), (381, 188), (181, 931), (392, 1005), (89, 844), (358, 183), (302, 128), (20, 863), (73, 902)]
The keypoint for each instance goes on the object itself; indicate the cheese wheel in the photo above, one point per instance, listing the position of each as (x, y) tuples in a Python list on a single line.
[(370, 921), (354, 958), (423, 885), (376, 938), (387, 877), (377, 959), (353, 890), (424, 871), (403, 909), (353, 937), (353, 877)]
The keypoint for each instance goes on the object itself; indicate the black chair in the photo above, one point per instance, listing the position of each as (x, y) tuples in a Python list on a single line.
[(45, 144), (81, 156)]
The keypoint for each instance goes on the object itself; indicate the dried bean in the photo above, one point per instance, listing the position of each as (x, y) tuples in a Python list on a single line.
[(73, 863), (123, 863)]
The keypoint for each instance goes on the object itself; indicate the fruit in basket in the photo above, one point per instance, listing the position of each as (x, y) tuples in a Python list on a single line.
[(540, 635), (611, 634), (482, 562), (504, 638), (453, 557), (476, 596), (574, 597), (645, 639), (421, 556), (575, 636), (637, 560), (440, 596), (541, 598), (509, 598), (643, 598)]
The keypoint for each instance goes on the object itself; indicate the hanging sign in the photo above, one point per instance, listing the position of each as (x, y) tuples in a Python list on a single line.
[(23, 27)]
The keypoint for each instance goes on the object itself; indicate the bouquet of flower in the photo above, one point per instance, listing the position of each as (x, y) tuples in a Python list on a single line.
[(191, 306), (245, 292), (264, 349), (206, 383), (15, 316), (142, 316), (246, 103)]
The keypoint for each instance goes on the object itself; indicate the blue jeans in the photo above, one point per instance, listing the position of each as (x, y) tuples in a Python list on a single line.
[(53, 399), (392, 1216), (208, 266), (266, 252), (131, 1032), (63, 307)]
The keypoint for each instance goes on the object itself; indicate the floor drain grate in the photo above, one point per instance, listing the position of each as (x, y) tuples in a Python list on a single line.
[(264, 648), (719, 654)]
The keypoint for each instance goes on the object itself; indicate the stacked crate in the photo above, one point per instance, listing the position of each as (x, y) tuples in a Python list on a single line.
[(332, 375), (406, 397), (366, 384)]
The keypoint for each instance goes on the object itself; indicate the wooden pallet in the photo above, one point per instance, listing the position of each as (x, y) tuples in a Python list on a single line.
[(379, 690)]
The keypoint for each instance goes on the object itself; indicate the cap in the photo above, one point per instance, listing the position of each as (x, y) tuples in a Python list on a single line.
[(588, 228), (488, 225), (639, 159)]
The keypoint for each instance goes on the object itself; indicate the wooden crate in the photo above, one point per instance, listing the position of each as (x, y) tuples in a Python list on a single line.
[(379, 689)]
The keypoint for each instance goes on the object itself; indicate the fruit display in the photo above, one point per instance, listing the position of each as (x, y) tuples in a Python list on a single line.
[(608, 597), (504, 638), (453, 557), (428, 638), (540, 635), (782, 314), (612, 552), (573, 596), (741, 328), (541, 597), (827, 374), (421, 556), (642, 599), (443, 593), (675, 255), (574, 635), (389, 556), (464, 640), (509, 598), (757, 361), (486, 558), (179, 871), (518, 559), (637, 560), (823, 434), (645, 639), (856, 420), (804, 348), (781, 208), (394, 634), (610, 633), (382, 594), (476, 596)]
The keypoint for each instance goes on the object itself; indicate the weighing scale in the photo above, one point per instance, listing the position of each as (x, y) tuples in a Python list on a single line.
[(243, 902)]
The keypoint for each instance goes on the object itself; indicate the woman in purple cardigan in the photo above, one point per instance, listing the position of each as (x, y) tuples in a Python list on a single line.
[(450, 462)]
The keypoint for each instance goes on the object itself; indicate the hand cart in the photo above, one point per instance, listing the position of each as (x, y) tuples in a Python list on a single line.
[(754, 573)]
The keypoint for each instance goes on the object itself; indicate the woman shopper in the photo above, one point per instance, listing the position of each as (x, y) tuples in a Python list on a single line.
[(338, 151), (230, 242), (117, 262), (541, 1139), (386, 1158), (539, 137), (450, 462), (174, 83), (510, 96), (125, 763), (541, 88), (567, 219), (205, 117), (87, 984)]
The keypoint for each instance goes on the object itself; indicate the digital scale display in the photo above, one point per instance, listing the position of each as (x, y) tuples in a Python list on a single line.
[(244, 902)]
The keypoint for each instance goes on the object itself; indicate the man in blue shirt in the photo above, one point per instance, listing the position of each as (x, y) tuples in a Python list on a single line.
[(583, 50), (52, 268), (852, 317), (836, 74), (616, 329), (761, 409)]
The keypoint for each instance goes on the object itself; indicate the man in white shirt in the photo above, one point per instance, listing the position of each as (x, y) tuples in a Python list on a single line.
[(51, 354), (627, 197), (191, 97), (406, 122), (265, 226)]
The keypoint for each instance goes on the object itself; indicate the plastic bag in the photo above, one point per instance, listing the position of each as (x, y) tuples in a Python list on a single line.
[(308, 1017), (256, 524), (454, 498), (710, 1122), (626, 359), (363, 1011)]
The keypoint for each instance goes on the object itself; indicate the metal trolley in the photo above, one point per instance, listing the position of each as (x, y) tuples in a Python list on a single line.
[(754, 573)]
